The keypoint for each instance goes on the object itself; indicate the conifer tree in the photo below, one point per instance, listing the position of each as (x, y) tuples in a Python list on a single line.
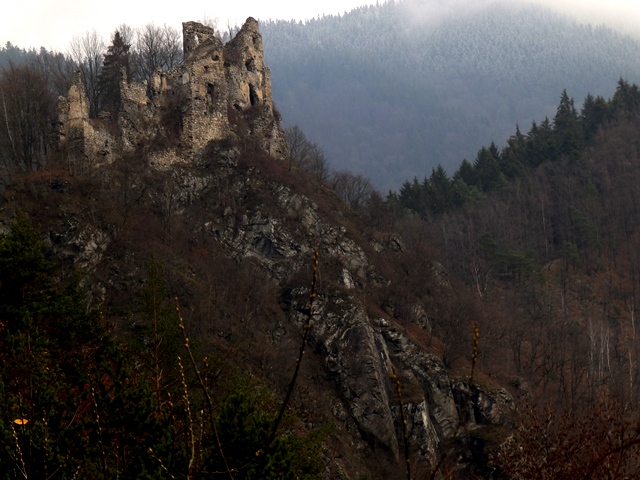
[(466, 173), (513, 155), (569, 138), (487, 169), (115, 68), (540, 143), (440, 190), (626, 99), (594, 112)]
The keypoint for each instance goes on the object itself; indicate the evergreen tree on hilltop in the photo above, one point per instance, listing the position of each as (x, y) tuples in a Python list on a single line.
[(116, 61), (595, 111), (440, 189), (626, 99), (513, 155), (11, 54), (487, 169), (567, 128), (540, 144)]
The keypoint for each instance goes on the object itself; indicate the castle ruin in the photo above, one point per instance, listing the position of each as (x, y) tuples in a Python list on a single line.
[(217, 87)]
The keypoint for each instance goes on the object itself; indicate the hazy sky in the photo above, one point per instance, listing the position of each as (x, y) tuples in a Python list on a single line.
[(621, 14), (52, 23)]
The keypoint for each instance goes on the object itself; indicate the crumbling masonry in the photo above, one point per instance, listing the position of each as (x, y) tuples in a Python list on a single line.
[(194, 104)]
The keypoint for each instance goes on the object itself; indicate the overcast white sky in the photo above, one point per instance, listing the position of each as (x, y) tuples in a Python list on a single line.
[(53, 23)]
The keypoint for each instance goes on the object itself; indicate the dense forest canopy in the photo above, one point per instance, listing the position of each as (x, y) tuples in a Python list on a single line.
[(388, 96), (560, 140)]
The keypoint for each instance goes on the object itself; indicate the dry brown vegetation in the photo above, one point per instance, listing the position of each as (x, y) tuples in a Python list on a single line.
[(548, 267)]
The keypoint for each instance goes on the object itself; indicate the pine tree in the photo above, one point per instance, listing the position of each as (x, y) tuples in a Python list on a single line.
[(115, 68), (594, 113), (411, 196), (626, 99), (540, 144), (440, 191), (487, 169), (513, 155), (466, 173), (568, 134)]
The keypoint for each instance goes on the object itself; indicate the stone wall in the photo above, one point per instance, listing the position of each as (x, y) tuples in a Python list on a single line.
[(88, 141), (187, 106)]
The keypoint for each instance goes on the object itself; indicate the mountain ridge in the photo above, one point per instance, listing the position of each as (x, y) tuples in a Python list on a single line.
[(438, 102)]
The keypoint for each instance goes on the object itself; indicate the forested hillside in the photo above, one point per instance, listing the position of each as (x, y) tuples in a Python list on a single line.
[(546, 232), (552, 218), (390, 93)]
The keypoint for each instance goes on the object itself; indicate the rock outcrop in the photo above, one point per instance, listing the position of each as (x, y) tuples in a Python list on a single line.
[(216, 88), (357, 348), (274, 227)]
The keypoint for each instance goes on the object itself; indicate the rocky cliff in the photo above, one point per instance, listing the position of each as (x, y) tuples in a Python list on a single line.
[(255, 219)]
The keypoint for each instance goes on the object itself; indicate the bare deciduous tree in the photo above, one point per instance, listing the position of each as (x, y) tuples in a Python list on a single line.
[(212, 22), (354, 189), (57, 68), (305, 154), (25, 114), (128, 35), (157, 48), (299, 146), (87, 51)]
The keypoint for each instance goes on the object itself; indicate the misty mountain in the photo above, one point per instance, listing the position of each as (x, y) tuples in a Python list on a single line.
[(390, 91)]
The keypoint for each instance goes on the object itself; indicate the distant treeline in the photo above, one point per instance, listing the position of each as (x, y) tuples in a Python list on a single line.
[(564, 138)]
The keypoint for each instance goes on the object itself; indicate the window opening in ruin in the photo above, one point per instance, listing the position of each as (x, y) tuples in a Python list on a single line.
[(206, 68), (211, 91), (253, 96), (250, 65), (216, 58)]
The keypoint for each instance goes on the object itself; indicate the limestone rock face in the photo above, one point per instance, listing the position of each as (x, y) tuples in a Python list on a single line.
[(216, 88), (356, 348), (77, 98)]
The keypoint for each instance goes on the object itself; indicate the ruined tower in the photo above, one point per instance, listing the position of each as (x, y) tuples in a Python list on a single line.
[(216, 85)]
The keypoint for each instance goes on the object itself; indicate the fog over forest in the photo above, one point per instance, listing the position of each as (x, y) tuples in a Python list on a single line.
[(620, 14), (439, 85), (53, 23)]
